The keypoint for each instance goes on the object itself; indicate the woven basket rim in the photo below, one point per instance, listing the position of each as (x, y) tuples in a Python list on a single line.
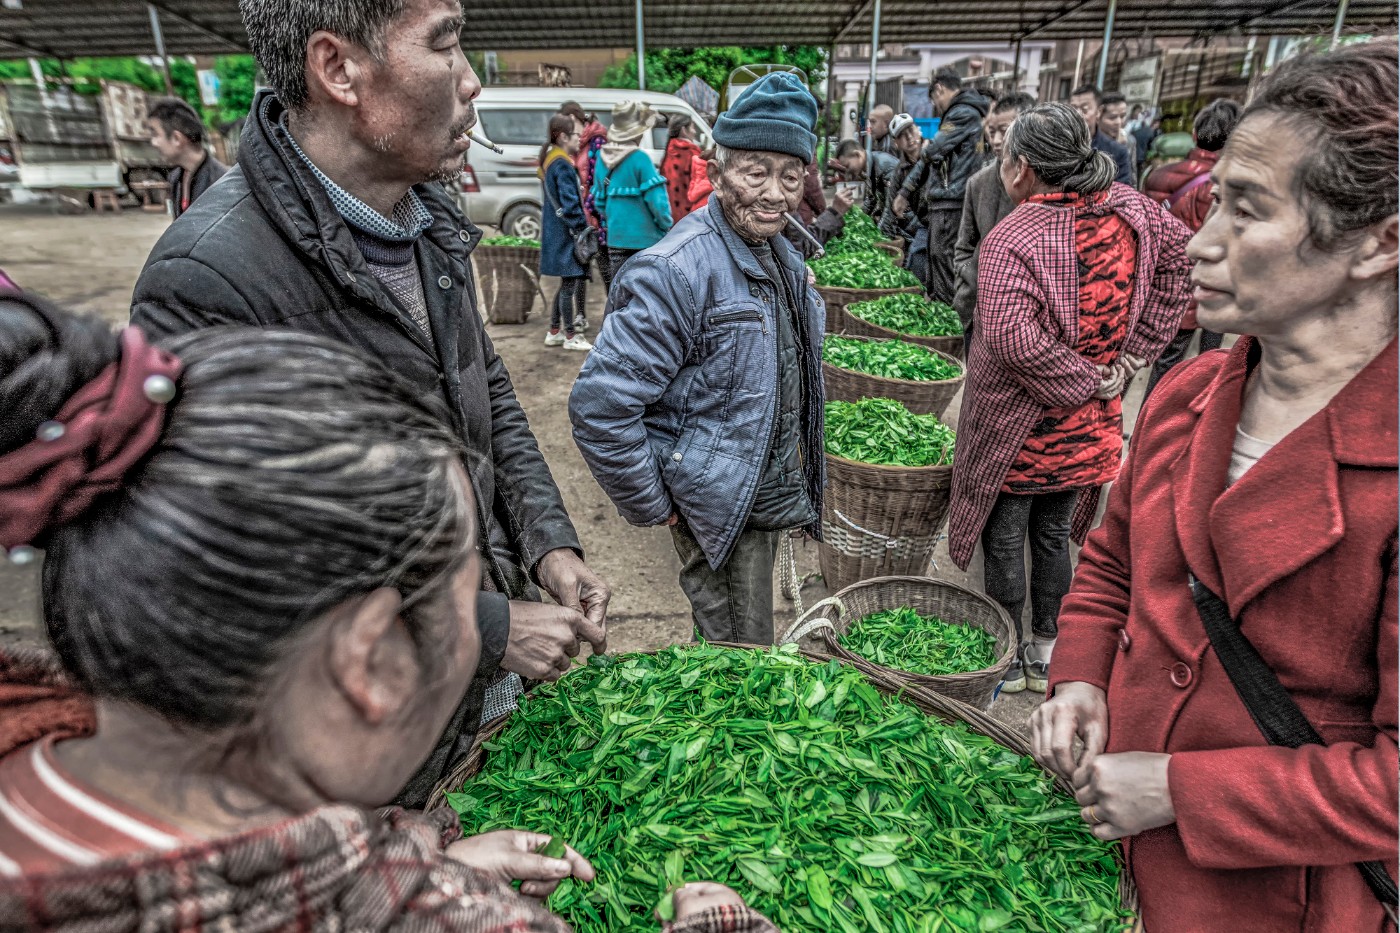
[(997, 668), (884, 291), (911, 383), (894, 470)]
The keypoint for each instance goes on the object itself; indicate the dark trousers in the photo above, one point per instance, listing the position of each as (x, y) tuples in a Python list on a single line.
[(616, 257), (916, 255), (735, 602), (581, 293), (939, 280), (562, 316), (1175, 352), (1046, 518)]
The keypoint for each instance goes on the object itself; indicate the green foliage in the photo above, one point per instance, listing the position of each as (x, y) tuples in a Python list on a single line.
[(888, 359), (861, 269), (883, 432), (909, 314), (510, 241), (668, 69), (827, 806), (237, 84), (906, 641), (858, 233)]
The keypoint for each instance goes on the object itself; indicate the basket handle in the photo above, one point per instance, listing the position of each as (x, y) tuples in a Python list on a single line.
[(810, 622)]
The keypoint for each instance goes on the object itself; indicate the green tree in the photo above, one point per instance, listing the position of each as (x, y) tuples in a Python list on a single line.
[(668, 69), (237, 84)]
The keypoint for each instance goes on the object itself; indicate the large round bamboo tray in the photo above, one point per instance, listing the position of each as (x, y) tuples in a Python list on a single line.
[(837, 298), (954, 604), (921, 396), (859, 327), (939, 706), (507, 287), (880, 521)]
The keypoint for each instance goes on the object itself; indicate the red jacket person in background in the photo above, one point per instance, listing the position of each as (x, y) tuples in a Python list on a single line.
[(1269, 474)]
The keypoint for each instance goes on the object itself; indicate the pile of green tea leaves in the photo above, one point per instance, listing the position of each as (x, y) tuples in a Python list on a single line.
[(888, 359), (511, 241), (858, 234), (906, 641), (863, 269), (884, 432), (910, 314), (827, 806)]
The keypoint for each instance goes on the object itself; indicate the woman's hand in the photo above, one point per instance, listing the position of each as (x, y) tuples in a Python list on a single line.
[(1077, 710), (509, 855), (700, 896), (1125, 794), (1112, 381)]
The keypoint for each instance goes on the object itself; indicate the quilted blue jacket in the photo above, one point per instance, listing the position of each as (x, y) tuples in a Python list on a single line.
[(631, 199), (675, 406)]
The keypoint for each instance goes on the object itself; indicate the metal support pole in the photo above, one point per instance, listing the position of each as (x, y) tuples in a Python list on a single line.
[(1016, 69), (1078, 65), (870, 91), (831, 107), (641, 50), (1107, 39), (160, 48), (1337, 26)]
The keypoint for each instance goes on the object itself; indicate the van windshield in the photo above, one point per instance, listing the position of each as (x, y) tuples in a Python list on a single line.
[(526, 126)]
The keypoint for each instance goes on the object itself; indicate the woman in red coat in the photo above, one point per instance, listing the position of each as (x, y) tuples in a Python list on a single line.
[(1268, 474), (678, 164), (1081, 284)]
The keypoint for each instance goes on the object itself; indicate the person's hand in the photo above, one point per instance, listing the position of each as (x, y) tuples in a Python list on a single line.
[(671, 522), (843, 201), (544, 639), (1076, 711), (700, 896), (508, 855), (1125, 793), (565, 576), (901, 205), (1112, 382)]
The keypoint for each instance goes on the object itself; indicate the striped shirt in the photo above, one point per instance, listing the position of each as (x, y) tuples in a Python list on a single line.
[(49, 821)]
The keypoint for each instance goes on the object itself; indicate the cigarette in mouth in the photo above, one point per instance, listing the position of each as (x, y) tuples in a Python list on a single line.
[(479, 139)]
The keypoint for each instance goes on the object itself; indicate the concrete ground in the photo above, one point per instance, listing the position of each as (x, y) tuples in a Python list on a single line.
[(91, 262)]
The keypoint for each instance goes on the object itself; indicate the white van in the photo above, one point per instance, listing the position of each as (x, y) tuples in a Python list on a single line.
[(504, 190)]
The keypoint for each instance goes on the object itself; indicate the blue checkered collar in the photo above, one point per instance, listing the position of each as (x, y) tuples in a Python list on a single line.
[(410, 216)]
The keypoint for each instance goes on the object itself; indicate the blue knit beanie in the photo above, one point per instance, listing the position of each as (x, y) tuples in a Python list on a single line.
[(774, 114)]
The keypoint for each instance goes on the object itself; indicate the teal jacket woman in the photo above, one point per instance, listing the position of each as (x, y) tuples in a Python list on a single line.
[(630, 194)]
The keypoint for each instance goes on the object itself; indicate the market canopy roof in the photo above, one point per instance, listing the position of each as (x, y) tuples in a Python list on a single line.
[(74, 28)]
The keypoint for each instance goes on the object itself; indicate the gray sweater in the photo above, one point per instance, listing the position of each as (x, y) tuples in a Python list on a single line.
[(987, 203)]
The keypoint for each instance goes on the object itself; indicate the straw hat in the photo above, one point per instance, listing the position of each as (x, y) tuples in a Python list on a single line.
[(630, 121)]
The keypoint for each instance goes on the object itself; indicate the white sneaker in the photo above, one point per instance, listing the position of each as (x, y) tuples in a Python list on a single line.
[(554, 338), (577, 342), (581, 324)]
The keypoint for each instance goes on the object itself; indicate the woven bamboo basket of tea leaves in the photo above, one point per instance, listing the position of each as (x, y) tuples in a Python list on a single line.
[(880, 521), (955, 605), (892, 248), (837, 298), (507, 287), (858, 327), (921, 396), (941, 707)]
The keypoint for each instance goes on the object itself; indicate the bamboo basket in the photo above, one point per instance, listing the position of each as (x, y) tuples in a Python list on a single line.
[(939, 706), (507, 286), (894, 249), (921, 396), (837, 298), (858, 327), (957, 605), (880, 521)]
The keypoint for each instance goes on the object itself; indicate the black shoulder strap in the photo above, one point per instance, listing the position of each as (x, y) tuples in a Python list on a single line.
[(1271, 706)]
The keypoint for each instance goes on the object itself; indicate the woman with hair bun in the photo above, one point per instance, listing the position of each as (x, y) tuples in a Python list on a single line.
[(260, 579), (1224, 695), (1081, 285)]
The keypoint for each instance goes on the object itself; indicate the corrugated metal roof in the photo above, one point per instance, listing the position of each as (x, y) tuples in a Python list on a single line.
[(73, 28)]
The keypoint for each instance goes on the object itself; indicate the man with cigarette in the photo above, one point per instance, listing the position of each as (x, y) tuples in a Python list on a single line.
[(700, 407), (336, 222)]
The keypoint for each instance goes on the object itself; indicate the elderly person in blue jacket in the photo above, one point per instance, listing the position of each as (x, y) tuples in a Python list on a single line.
[(701, 405)]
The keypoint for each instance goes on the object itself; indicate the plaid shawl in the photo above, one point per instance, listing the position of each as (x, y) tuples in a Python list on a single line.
[(1022, 361), (337, 868)]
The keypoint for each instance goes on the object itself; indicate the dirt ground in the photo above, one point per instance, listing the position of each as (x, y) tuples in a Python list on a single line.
[(91, 262)]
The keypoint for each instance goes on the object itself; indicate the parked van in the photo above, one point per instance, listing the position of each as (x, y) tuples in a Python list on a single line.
[(504, 190)]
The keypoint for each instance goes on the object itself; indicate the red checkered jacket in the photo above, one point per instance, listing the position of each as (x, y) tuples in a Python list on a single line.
[(1021, 360)]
